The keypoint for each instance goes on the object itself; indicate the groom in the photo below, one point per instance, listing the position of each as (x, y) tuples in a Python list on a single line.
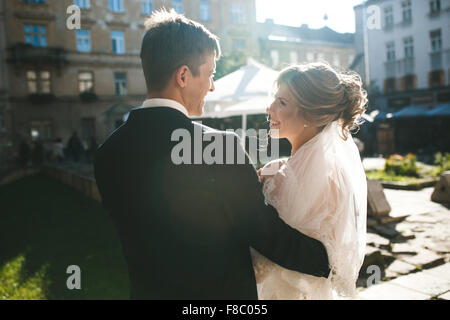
[(186, 229)]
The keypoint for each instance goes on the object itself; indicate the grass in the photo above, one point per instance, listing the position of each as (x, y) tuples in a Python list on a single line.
[(424, 171), (45, 227), (384, 176)]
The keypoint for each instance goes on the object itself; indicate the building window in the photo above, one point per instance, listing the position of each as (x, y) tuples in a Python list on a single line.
[(83, 40), (116, 5), (239, 44), (408, 44), (83, 4), (118, 42), (388, 16), (406, 9), (275, 56), (178, 6), (293, 56), (435, 6), (237, 13), (41, 130), (86, 82), (147, 6), (38, 82), (205, 10), (390, 51), (436, 40), (120, 83), (35, 35)]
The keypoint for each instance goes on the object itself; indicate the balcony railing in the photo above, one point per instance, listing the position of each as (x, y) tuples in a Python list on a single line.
[(25, 53), (436, 61), (399, 68)]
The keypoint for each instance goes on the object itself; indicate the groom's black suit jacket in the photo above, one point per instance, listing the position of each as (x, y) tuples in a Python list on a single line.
[(186, 229)]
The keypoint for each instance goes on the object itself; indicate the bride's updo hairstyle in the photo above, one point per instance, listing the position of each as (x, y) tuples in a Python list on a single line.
[(324, 95)]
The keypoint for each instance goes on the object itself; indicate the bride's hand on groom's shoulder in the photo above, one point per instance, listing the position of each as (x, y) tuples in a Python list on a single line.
[(270, 169)]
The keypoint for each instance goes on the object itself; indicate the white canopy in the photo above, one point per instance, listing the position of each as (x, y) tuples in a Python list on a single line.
[(245, 91)]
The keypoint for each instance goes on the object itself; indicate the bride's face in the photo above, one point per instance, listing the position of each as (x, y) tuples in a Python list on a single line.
[(285, 119)]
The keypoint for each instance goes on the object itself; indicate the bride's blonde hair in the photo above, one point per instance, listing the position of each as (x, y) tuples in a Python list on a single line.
[(324, 95)]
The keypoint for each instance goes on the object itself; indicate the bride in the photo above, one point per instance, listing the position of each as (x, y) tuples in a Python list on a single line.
[(321, 189)]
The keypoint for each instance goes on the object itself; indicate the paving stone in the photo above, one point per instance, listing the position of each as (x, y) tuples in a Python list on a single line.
[(424, 283), (406, 248), (442, 271), (445, 296), (400, 267), (421, 218), (438, 247), (378, 241), (424, 259), (406, 235), (389, 291), (373, 257)]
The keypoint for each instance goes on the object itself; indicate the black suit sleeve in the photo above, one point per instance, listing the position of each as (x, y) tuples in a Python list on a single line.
[(265, 231)]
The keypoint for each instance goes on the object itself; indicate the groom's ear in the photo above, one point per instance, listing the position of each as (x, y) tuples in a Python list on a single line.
[(181, 75)]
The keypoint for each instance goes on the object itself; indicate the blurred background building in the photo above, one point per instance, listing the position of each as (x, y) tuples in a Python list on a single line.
[(408, 57), (283, 45)]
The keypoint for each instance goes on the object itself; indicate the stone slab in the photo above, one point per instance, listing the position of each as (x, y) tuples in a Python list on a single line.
[(442, 271), (424, 259), (445, 296), (377, 204), (378, 241), (406, 248), (401, 268), (441, 191), (389, 291), (423, 283)]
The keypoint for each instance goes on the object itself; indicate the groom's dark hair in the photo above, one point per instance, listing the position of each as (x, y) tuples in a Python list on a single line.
[(171, 41)]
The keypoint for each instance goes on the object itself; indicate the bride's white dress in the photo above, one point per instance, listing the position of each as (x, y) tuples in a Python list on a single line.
[(322, 192)]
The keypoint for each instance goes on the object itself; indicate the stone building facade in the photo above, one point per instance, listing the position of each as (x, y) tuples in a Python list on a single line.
[(85, 80)]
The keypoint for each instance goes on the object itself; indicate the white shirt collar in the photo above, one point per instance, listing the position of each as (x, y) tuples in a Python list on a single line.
[(159, 102)]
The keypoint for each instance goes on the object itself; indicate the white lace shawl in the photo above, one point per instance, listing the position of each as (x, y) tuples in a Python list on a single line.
[(321, 191)]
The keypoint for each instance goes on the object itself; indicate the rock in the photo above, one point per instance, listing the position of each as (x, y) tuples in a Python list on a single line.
[(401, 268), (377, 204), (424, 259), (377, 241), (404, 248), (441, 191)]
